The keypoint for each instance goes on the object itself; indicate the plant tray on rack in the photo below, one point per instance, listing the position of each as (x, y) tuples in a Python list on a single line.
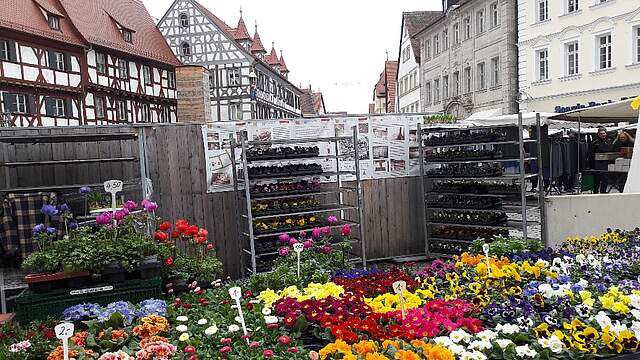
[(42, 283), (284, 174), (453, 176), (258, 196), (286, 211)]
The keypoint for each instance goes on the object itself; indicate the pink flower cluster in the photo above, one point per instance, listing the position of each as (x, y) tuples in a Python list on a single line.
[(22, 345), (120, 355), (156, 350)]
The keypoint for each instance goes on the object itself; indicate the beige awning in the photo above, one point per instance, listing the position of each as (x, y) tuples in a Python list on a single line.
[(615, 112)]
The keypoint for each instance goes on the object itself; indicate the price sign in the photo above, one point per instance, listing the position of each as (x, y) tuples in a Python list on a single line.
[(236, 293), (63, 332), (113, 187), (399, 287), (298, 249), (485, 249)]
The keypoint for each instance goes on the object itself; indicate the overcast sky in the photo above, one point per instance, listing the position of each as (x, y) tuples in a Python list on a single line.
[(336, 45)]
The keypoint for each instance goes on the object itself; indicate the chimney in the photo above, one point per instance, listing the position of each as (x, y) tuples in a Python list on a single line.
[(192, 83), (446, 4)]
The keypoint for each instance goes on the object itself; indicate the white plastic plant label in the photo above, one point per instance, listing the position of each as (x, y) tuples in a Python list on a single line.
[(236, 293), (485, 249), (63, 332), (399, 287), (298, 249), (113, 186)]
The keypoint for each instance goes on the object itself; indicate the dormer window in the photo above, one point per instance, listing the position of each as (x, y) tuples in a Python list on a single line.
[(186, 49), (54, 22), (184, 20), (127, 35)]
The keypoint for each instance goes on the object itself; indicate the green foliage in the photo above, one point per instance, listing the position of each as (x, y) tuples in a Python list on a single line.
[(502, 246), (440, 119), (187, 268)]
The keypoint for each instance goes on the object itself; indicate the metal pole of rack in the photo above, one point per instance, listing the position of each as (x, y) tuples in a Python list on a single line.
[(541, 192), (247, 193), (423, 192), (523, 186), (363, 246)]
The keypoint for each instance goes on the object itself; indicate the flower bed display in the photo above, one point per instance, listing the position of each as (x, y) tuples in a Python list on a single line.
[(581, 301)]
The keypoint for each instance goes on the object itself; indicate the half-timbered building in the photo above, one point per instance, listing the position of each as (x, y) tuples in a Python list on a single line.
[(77, 62), (245, 82)]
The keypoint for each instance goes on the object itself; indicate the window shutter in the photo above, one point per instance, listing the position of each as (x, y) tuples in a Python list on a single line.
[(67, 62), (52, 59), (12, 50), (49, 106), (68, 108), (31, 104), (9, 99)]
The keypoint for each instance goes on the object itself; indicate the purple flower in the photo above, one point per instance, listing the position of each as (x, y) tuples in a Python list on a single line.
[(284, 238), (303, 234), (293, 241), (38, 229), (332, 219), (51, 230), (283, 251), (49, 210), (149, 206), (104, 218), (85, 190), (316, 233), (130, 205), (64, 208), (121, 214), (308, 244), (326, 230), (73, 225)]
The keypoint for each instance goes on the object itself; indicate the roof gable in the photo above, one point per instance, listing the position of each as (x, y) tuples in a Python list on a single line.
[(414, 22)]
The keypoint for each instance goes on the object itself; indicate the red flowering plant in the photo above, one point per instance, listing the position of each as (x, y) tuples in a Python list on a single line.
[(375, 283), (26, 343), (193, 256)]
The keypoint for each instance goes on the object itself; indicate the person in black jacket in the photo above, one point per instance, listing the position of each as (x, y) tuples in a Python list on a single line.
[(602, 144), (623, 140)]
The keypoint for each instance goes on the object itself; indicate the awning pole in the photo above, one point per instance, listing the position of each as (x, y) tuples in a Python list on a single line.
[(579, 171)]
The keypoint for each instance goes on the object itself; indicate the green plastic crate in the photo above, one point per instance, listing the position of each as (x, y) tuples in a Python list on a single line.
[(31, 306), (587, 183)]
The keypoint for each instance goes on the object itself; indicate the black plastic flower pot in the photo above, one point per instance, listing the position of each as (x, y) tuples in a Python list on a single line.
[(149, 270), (78, 282), (113, 274)]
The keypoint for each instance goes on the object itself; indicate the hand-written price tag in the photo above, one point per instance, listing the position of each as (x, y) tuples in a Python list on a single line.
[(63, 332), (298, 249), (236, 293), (485, 249), (113, 187), (399, 287)]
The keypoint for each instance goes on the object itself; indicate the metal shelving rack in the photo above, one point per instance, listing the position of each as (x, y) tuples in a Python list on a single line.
[(332, 195), (519, 203)]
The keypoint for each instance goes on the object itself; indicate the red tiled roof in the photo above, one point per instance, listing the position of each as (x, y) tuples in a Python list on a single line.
[(216, 20), (415, 22), (283, 65), (95, 21), (311, 103), (272, 58), (256, 46), (26, 16), (241, 32)]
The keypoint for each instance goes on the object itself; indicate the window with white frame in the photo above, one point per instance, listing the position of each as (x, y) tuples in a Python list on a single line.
[(482, 80), (54, 22), (406, 83), (427, 48), (4, 50), (233, 77), (101, 63), (121, 110), (467, 79), (59, 61), (495, 14), (604, 52), (436, 90), (127, 35), (186, 49), (19, 104), (543, 64), (572, 58), (467, 28), (145, 113), (436, 45), (456, 33), (148, 75), (456, 83), (427, 92), (445, 39), (235, 111), (480, 16), (99, 107), (400, 87), (58, 107), (123, 69), (171, 80), (495, 71), (572, 6), (445, 87), (406, 54), (543, 10), (636, 32)]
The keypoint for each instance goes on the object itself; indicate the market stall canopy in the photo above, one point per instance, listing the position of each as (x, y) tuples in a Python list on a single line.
[(527, 119), (620, 111)]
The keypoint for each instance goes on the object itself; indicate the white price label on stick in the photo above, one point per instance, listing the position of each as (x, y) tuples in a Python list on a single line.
[(236, 293), (399, 287), (113, 186), (485, 249), (63, 332), (298, 247)]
